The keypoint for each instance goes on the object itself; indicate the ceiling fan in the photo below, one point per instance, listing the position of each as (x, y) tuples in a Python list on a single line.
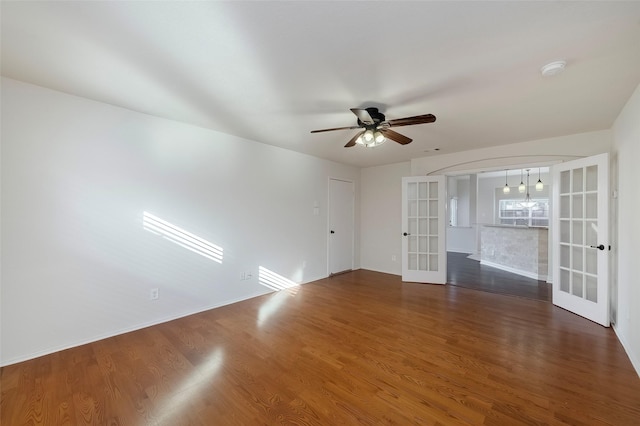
[(376, 128)]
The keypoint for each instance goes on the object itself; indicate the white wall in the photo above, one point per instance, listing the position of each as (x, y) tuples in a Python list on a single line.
[(381, 217), (626, 175), (461, 240), (77, 176)]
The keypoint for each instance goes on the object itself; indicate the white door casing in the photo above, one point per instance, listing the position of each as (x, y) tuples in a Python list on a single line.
[(341, 226), (424, 256), (580, 236)]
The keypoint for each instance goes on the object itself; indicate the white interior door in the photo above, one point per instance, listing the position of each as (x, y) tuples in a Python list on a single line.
[(580, 236), (424, 256), (341, 227)]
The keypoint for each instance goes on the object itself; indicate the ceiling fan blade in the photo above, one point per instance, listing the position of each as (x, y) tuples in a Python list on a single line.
[(335, 128), (352, 142), (363, 115), (409, 121), (395, 136)]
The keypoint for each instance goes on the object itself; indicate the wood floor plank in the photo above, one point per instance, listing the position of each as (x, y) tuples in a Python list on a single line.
[(356, 348)]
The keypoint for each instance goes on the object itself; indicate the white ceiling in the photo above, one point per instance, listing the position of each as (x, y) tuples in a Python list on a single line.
[(273, 71)]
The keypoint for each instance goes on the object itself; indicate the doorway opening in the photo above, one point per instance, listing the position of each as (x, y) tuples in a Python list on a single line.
[(495, 242)]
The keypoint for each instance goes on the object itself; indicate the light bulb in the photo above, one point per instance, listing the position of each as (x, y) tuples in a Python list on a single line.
[(506, 188), (521, 188), (539, 184), (368, 136), (379, 137), (359, 141)]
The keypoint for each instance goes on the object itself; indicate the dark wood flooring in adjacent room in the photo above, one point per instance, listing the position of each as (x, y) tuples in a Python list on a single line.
[(357, 348), (465, 272)]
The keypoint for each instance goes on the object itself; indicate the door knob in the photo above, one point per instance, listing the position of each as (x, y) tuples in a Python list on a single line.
[(600, 247), (333, 232), (405, 233)]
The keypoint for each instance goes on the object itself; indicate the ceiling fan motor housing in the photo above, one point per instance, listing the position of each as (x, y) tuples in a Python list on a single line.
[(376, 116)]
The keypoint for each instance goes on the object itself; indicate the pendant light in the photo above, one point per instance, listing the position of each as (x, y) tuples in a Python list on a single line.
[(539, 184), (521, 187), (506, 188)]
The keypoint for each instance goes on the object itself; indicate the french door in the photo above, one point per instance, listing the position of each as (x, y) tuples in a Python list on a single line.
[(580, 237), (424, 257)]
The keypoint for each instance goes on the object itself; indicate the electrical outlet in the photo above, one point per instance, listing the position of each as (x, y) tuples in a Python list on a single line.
[(155, 294)]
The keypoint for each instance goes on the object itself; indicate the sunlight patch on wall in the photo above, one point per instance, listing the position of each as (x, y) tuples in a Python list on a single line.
[(274, 281), (181, 237)]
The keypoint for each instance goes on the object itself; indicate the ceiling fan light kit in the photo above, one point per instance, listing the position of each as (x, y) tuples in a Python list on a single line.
[(377, 129)]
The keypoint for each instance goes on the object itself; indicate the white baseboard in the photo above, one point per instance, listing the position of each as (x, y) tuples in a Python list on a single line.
[(515, 271), (459, 250), (382, 271), (635, 362), (140, 326)]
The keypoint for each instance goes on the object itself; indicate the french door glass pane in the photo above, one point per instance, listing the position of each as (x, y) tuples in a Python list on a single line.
[(422, 192), (576, 284), (433, 189), (565, 282), (422, 226), (433, 244), (565, 256), (577, 180), (422, 208), (413, 208), (591, 206), (433, 262), (412, 191), (423, 262), (413, 226), (577, 206), (592, 178), (565, 231), (577, 232), (413, 262), (591, 261), (591, 286), (413, 244), (422, 244), (577, 258), (565, 182)]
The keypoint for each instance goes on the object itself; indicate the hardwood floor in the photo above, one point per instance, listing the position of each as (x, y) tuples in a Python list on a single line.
[(465, 272), (357, 348)]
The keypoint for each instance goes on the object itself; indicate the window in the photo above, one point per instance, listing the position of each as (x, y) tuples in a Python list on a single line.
[(511, 212)]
